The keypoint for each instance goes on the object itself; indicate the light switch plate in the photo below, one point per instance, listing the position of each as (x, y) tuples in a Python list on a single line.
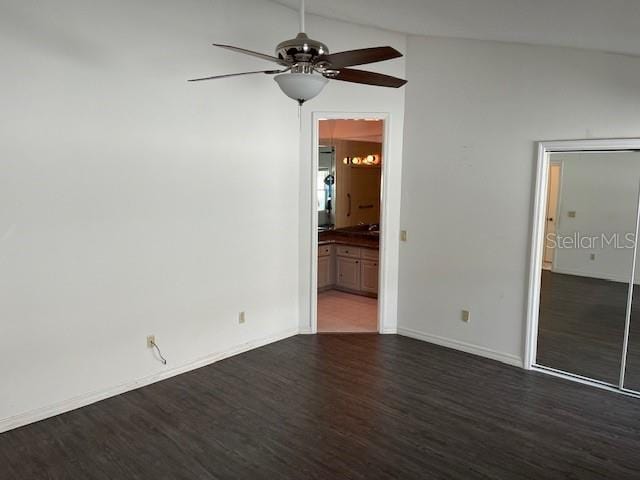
[(403, 235), (241, 317), (466, 315), (571, 214)]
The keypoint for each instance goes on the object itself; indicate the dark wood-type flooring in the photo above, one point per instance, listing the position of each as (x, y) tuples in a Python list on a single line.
[(340, 407), (581, 328)]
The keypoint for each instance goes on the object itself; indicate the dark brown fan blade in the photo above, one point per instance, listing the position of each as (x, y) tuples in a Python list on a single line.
[(268, 72), (360, 57), (253, 54), (368, 78)]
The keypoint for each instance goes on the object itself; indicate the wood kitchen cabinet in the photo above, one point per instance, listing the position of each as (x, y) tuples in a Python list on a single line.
[(348, 268), (325, 267), (324, 272), (369, 276), (348, 273)]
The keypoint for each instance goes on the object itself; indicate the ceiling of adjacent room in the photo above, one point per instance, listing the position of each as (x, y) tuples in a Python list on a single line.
[(358, 130), (608, 25)]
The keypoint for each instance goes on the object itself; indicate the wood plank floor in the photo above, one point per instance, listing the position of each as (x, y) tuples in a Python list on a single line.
[(581, 327), (340, 406)]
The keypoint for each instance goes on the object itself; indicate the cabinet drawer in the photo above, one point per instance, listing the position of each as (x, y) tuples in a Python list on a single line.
[(346, 251), (369, 254), (324, 250)]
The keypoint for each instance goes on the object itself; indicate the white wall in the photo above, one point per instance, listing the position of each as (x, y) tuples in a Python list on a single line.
[(133, 202), (348, 97), (601, 189), (474, 111), (130, 203)]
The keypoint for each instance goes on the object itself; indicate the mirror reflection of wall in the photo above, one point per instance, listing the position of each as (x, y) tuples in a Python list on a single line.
[(326, 187), (358, 185), (356, 199), (588, 262)]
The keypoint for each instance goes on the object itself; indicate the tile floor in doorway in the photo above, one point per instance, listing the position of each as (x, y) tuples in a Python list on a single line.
[(347, 313)]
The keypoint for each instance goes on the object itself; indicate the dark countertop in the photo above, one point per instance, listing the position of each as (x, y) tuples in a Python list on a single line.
[(351, 238)]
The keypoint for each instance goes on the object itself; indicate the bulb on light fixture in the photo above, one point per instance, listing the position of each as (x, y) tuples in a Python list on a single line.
[(345, 160), (301, 86)]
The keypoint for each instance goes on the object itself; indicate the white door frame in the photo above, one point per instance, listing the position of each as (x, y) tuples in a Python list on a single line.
[(384, 209), (538, 229)]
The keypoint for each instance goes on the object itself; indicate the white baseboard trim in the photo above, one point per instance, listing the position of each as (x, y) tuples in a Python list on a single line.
[(389, 331), (601, 276), (305, 331), (89, 398), (463, 346)]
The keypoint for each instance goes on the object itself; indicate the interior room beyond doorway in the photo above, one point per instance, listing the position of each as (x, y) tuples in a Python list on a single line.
[(348, 203)]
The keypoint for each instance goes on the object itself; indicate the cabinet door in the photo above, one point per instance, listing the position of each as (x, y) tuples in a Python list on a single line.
[(348, 270), (369, 276), (324, 272)]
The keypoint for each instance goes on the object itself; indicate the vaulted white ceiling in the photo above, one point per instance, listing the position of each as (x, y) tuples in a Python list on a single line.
[(608, 25)]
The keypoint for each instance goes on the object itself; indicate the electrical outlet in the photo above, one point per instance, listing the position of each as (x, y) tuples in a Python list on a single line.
[(466, 316), (241, 318), (592, 256), (151, 339), (403, 235)]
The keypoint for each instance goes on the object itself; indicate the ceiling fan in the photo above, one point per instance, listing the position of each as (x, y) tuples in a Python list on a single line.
[(307, 65)]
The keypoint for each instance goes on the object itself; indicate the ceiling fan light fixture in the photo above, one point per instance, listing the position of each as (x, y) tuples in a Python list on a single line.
[(301, 86)]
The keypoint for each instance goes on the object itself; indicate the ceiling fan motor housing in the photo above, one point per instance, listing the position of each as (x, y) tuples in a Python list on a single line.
[(301, 49)]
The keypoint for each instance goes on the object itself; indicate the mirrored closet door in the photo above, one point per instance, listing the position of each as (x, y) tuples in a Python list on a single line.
[(589, 314), (631, 366)]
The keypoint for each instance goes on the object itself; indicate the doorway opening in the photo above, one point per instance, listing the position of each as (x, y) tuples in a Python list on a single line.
[(348, 204), (551, 223)]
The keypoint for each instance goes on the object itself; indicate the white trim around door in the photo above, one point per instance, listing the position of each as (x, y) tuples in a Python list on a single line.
[(385, 233)]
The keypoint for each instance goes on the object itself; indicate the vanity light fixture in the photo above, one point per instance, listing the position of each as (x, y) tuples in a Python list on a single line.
[(369, 160)]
